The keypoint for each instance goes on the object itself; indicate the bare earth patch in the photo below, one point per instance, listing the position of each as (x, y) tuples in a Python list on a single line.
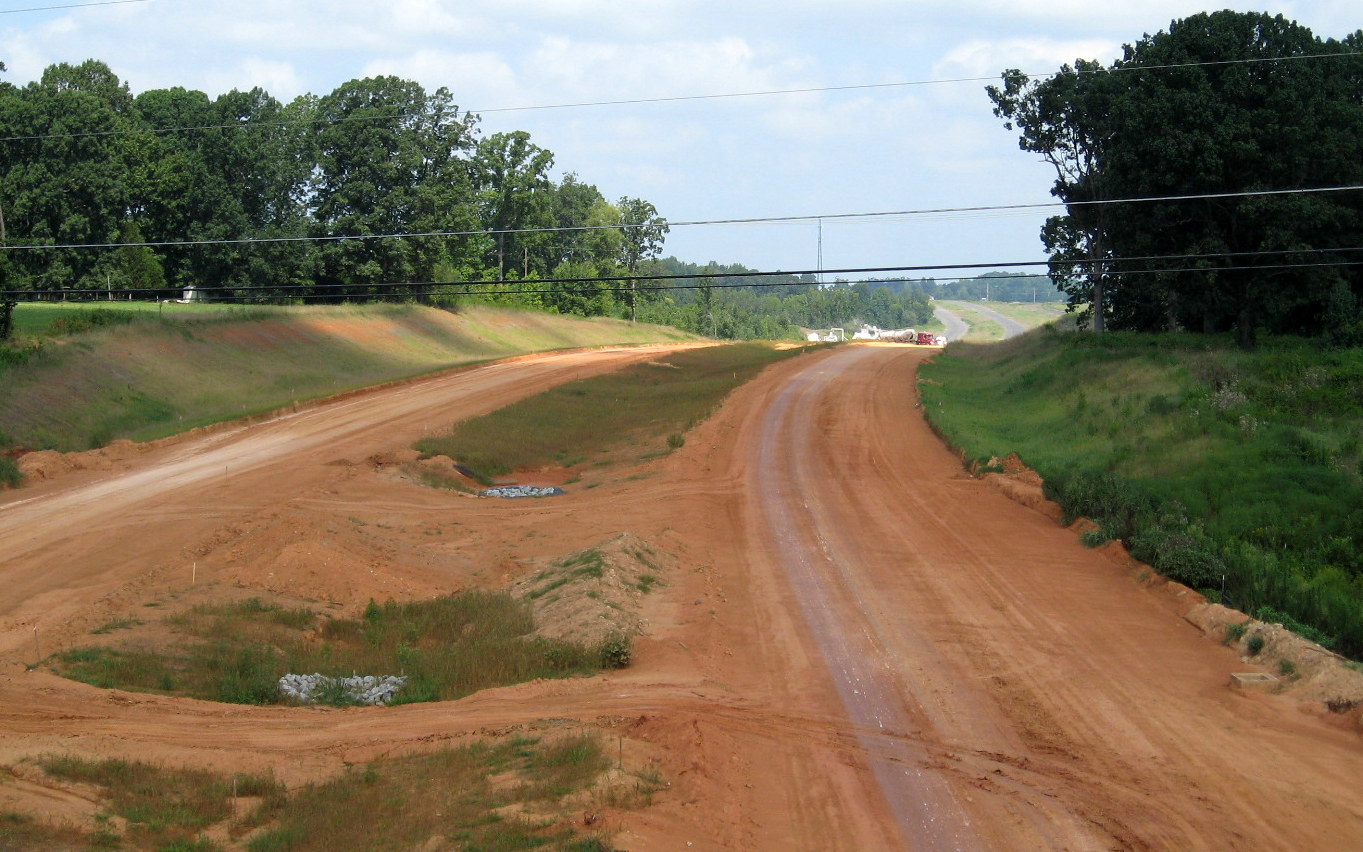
[(836, 630)]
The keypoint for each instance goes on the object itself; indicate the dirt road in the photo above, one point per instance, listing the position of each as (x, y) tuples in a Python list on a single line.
[(860, 647)]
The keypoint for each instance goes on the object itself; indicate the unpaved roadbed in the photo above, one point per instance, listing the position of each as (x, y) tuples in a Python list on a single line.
[(856, 645)]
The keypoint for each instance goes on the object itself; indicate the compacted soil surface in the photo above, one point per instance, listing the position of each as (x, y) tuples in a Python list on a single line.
[(849, 643)]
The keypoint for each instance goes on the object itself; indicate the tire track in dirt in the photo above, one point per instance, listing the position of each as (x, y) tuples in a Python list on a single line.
[(1080, 709), (854, 625), (927, 811)]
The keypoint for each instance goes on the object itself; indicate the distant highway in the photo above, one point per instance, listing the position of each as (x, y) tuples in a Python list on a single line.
[(956, 327), (1011, 327)]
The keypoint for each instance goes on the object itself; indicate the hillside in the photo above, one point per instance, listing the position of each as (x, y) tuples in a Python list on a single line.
[(1232, 471), (143, 375)]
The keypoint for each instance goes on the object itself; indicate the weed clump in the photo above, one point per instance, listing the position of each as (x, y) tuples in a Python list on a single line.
[(1235, 632), (616, 652)]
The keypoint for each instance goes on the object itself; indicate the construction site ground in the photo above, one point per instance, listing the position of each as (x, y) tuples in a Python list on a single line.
[(852, 643)]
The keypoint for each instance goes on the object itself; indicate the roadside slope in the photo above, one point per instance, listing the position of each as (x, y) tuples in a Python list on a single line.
[(151, 378)]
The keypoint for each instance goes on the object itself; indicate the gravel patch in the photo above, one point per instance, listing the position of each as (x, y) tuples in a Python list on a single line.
[(365, 689), (514, 491)]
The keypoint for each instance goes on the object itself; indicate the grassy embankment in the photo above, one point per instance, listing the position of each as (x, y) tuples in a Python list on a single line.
[(79, 376), (519, 793), (1209, 462), (630, 415)]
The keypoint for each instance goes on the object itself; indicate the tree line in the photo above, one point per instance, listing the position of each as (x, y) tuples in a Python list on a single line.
[(244, 196), (991, 286), (1209, 177), (734, 302)]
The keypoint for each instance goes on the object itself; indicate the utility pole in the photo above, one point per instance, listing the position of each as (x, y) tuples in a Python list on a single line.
[(820, 252)]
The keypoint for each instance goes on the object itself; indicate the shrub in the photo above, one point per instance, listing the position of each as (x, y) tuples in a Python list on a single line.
[(616, 652), (1179, 551), (1114, 502), (1236, 631), (1272, 616), (17, 354), (1255, 645)]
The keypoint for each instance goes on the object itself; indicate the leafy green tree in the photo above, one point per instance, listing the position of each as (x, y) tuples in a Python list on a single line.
[(1061, 118), (390, 160), (64, 176), (1244, 109), (515, 194), (1248, 111), (705, 303), (642, 233)]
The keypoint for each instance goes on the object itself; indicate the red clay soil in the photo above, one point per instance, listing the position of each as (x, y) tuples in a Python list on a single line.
[(859, 647)]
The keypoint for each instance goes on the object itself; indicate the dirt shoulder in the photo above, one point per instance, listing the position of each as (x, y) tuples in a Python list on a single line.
[(1041, 697)]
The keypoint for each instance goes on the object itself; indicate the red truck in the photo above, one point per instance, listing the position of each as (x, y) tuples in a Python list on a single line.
[(925, 339)]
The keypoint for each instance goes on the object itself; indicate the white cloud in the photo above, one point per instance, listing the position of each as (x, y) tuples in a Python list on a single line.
[(477, 80), (280, 79), (989, 57)]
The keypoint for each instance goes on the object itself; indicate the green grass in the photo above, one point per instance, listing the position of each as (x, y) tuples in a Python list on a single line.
[(1029, 314), (22, 833), (979, 328), (55, 318), (623, 416), (10, 477), (165, 808), (512, 793), (448, 648), (1205, 459), (79, 376), (507, 795)]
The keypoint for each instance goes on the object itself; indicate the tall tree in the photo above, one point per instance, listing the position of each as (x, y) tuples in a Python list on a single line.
[(385, 149), (1249, 112), (1231, 104), (642, 233), (515, 194), (1061, 118), (64, 175)]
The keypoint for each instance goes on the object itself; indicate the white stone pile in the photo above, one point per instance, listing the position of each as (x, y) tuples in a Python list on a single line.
[(362, 689), (521, 491)]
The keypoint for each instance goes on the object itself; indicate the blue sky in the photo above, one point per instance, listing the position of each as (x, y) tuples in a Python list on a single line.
[(894, 148)]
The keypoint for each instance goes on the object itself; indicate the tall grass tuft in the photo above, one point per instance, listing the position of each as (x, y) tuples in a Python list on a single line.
[(10, 477)]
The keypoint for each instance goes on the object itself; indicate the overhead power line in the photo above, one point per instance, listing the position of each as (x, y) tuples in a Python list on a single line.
[(653, 100), (71, 6), (756, 220), (671, 281)]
